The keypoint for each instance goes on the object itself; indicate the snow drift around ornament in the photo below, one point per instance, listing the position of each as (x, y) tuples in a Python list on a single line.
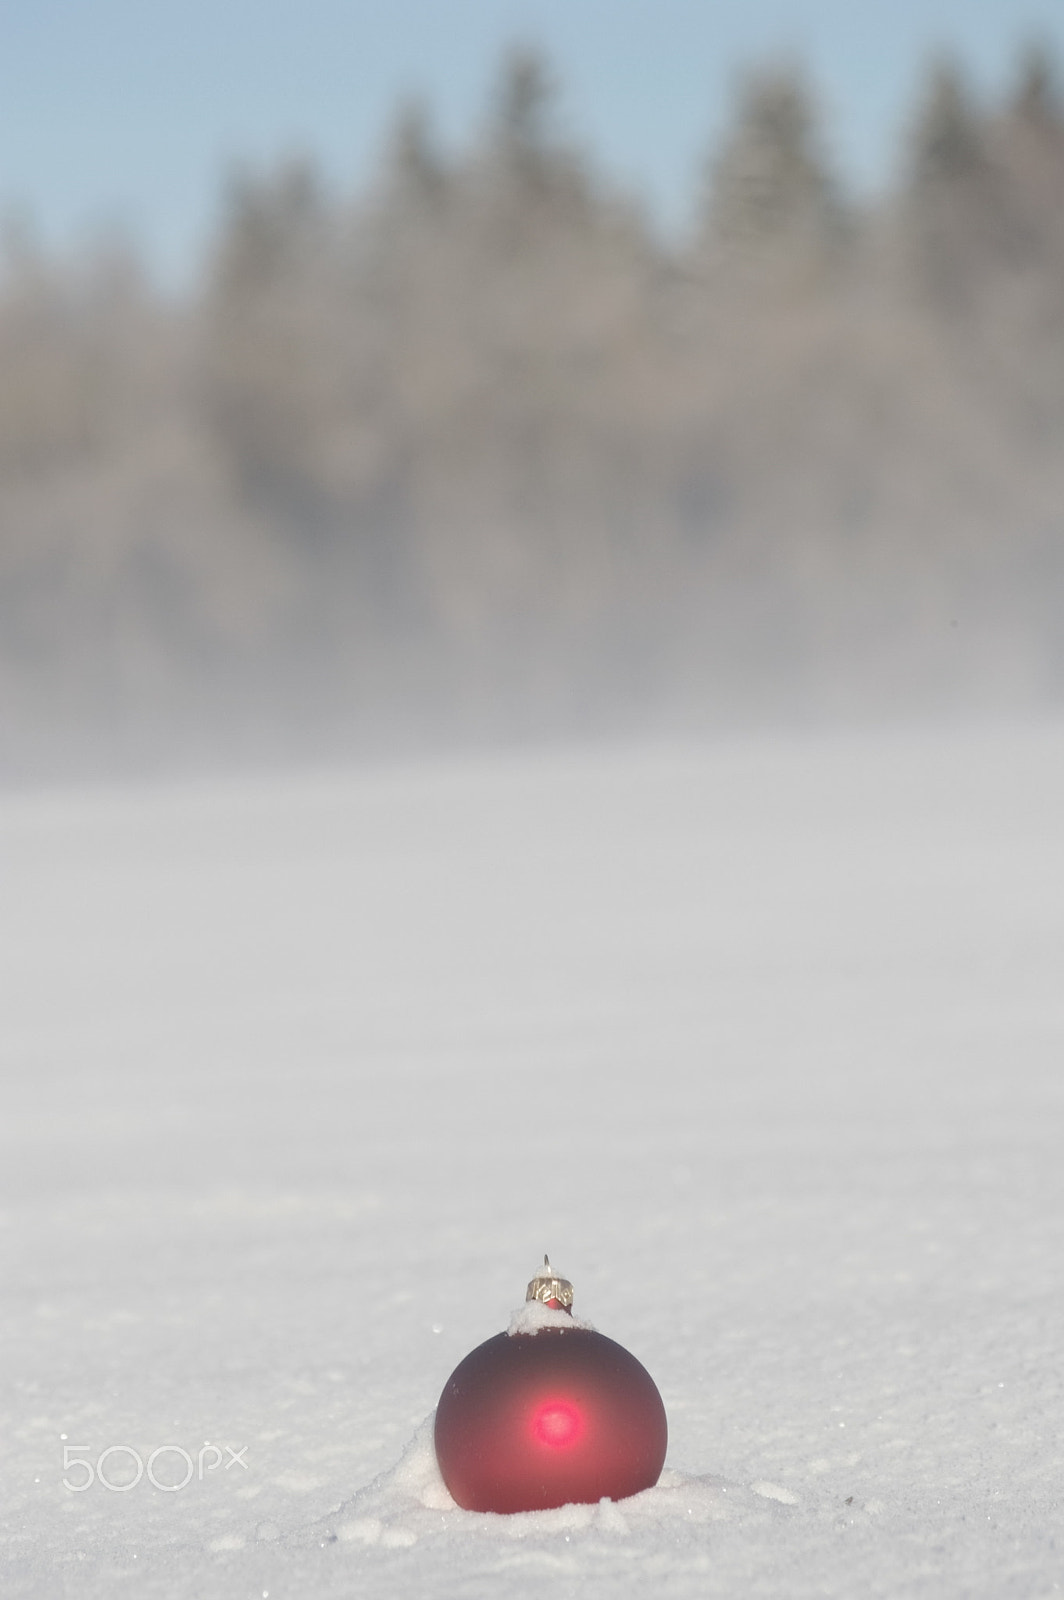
[(413, 1502), (409, 1505), (550, 1413)]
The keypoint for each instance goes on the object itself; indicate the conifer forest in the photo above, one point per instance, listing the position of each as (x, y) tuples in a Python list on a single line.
[(477, 451)]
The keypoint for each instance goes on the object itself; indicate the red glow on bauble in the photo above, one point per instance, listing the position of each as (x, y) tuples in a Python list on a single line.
[(531, 1420), (557, 1423)]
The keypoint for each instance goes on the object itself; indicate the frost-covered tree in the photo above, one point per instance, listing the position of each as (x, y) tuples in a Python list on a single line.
[(947, 142), (414, 167), (269, 365), (773, 204), (1037, 95), (522, 136), (1028, 142), (75, 354), (955, 215)]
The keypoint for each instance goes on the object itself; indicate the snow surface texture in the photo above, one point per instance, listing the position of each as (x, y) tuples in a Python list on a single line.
[(302, 1078)]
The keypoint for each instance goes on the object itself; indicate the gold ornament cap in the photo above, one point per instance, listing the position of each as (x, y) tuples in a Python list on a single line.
[(552, 1290)]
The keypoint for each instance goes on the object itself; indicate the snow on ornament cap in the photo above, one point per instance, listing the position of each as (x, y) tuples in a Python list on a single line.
[(551, 1288)]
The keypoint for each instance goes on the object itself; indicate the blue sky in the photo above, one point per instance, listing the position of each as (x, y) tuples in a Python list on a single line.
[(127, 112)]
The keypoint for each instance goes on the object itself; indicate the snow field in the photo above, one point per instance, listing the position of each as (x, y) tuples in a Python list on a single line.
[(762, 1041)]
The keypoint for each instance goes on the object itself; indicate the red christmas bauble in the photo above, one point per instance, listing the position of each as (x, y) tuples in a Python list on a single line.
[(536, 1419)]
